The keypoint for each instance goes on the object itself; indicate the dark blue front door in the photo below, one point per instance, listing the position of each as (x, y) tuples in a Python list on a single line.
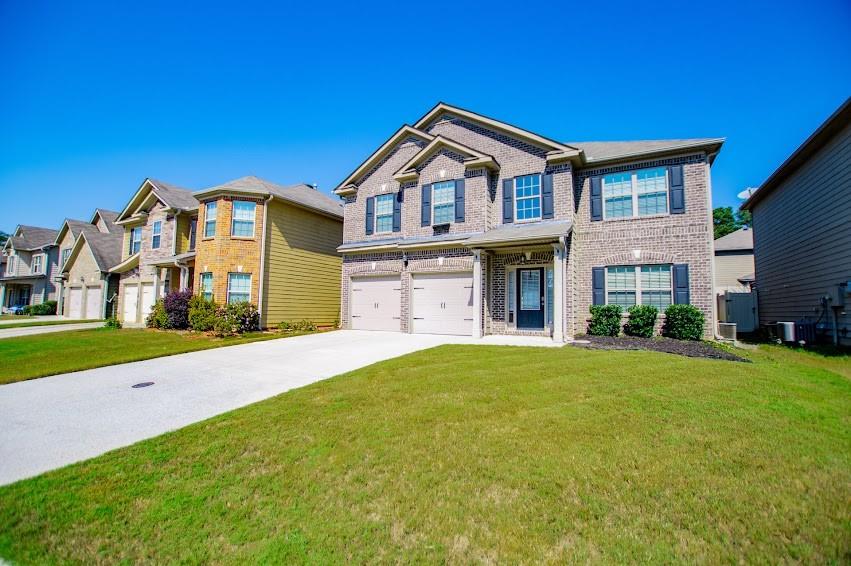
[(530, 298)]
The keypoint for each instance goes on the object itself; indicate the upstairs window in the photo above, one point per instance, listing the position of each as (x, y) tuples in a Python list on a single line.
[(384, 213), (443, 202), (38, 264), (210, 210), (10, 265), (156, 234), (239, 287), (66, 253), (636, 193), (207, 286), (527, 197), (135, 240), (242, 223), (639, 285)]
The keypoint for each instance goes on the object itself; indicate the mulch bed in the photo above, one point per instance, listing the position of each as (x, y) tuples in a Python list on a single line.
[(692, 349)]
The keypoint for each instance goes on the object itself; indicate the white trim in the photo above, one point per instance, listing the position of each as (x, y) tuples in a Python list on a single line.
[(452, 202), (540, 199), (633, 178), (201, 285), (375, 230), (215, 220), (260, 287), (513, 270), (250, 285), (154, 234), (638, 289), (233, 218)]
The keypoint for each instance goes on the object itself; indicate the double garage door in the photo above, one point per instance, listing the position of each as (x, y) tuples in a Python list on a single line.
[(131, 301), (441, 303), (93, 298)]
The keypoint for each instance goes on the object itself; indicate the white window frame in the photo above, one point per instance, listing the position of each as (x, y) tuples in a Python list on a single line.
[(10, 264), (233, 219), (40, 270), (511, 283), (634, 193), (156, 234), (208, 220), (638, 288), (136, 230), (435, 204), (540, 198), (203, 292), (66, 253), (391, 196), (250, 284)]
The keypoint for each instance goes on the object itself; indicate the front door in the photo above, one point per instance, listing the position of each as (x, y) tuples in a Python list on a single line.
[(530, 298)]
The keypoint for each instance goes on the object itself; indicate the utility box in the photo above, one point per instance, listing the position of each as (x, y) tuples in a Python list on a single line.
[(727, 330), (786, 331), (836, 296)]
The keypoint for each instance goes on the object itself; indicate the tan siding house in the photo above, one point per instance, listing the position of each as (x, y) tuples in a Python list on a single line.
[(802, 233), (734, 266)]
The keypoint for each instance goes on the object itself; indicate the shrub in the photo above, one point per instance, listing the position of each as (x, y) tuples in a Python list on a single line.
[(113, 323), (302, 325), (642, 320), (605, 320), (158, 317), (176, 305), (683, 322), (47, 307), (202, 314), (27, 310), (237, 318)]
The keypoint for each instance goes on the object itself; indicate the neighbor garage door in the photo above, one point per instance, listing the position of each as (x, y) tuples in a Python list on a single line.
[(93, 303), (75, 303), (376, 303), (131, 302), (443, 303)]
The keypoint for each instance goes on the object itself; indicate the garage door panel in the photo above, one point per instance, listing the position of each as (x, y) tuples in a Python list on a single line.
[(93, 303), (376, 303), (75, 303), (148, 299), (131, 302), (443, 303)]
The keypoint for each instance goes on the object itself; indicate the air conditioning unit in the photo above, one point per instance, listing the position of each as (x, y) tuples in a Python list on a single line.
[(836, 296), (727, 330), (786, 331)]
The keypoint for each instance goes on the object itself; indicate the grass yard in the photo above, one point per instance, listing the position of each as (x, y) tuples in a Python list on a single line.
[(28, 357), (14, 316), (44, 323), (478, 454)]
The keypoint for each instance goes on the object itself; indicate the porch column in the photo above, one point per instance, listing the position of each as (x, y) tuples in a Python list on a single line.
[(558, 292), (184, 277), (477, 293)]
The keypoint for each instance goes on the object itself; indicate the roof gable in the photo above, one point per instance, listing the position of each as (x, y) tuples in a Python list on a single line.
[(171, 196), (741, 239), (30, 238), (472, 158)]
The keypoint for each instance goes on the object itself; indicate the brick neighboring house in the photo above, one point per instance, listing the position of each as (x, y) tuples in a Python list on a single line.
[(31, 262), (464, 224), (272, 245)]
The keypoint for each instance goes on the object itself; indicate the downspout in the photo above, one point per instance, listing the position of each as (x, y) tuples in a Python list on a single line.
[(262, 274), (715, 333)]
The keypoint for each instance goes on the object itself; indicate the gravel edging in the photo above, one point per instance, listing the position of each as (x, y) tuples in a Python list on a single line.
[(690, 348)]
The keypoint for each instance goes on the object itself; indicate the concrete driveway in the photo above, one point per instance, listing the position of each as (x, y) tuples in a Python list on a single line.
[(30, 330), (53, 421)]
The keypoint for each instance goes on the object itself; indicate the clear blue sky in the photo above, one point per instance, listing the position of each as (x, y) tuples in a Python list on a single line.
[(97, 97)]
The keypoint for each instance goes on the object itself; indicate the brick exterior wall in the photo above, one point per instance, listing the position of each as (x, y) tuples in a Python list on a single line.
[(224, 253)]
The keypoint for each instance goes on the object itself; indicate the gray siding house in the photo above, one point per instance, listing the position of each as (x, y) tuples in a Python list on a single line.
[(32, 260), (465, 224), (802, 232)]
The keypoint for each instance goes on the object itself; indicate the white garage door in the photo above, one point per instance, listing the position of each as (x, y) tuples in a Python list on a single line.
[(443, 303), (376, 303), (147, 299), (75, 303), (131, 302), (93, 305)]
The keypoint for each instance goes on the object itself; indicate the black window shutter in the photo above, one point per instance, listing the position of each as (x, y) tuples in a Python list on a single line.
[(598, 284), (547, 195), (459, 200), (397, 211), (507, 201), (426, 202), (596, 198), (681, 295), (370, 215), (677, 189)]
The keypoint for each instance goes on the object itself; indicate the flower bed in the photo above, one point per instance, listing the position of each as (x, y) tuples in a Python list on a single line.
[(690, 348)]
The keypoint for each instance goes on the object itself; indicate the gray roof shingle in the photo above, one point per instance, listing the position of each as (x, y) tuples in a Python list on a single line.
[(300, 194), (33, 238), (741, 239), (174, 196), (509, 233), (609, 150), (106, 248)]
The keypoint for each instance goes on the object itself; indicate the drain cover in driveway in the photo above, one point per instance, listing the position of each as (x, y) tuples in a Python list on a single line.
[(143, 384)]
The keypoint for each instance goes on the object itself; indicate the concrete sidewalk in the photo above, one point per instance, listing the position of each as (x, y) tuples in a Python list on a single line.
[(30, 330)]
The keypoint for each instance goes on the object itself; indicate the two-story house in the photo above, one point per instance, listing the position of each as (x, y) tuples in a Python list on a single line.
[(31, 262), (158, 249), (468, 225)]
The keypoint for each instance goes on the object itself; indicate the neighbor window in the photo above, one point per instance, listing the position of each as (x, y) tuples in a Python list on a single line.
[(636, 193), (135, 240), (646, 285), (10, 265), (527, 197), (384, 213), (38, 264), (207, 286), (242, 223), (66, 253), (156, 234), (443, 201), (210, 219), (239, 287)]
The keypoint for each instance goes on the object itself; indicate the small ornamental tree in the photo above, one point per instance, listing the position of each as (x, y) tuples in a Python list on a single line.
[(176, 306), (683, 322), (642, 320), (157, 317), (202, 314), (605, 320)]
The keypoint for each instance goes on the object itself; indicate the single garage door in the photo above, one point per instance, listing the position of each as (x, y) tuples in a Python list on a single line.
[(443, 303), (75, 303), (131, 302), (93, 305), (376, 303), (148, 299)]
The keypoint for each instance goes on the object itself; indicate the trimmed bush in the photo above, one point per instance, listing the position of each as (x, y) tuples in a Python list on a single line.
[(176, 305), (302, 325), (683, 322), (113, 323), (47, 307), (237, 318), (158, 317), (202, 314), (27, 310), (642, 320), (605, 320)]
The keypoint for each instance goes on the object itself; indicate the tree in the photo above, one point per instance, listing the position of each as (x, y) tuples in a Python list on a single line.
[(724, 221), (3, 237)]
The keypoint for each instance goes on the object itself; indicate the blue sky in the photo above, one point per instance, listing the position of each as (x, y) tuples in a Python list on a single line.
[(97, 97)]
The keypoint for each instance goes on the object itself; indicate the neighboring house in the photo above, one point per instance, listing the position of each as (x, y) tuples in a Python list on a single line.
[(734, 268), (158, 249), (271, 245), (31, 262), (89, 290), (802, 232), (468, 225)]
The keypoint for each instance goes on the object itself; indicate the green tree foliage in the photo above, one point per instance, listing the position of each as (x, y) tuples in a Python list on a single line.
[(725, 221)]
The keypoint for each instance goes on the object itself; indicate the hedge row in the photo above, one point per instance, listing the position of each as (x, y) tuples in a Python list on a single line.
[(682, 322)]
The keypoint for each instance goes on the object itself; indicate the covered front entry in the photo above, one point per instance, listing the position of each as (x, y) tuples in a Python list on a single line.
[(442, 303), (531, 298), (17, 295), (376, 303)]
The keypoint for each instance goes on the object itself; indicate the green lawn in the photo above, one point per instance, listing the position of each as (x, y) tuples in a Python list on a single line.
[(477, 454), (27, 357), (14, 316), (44, 323)]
